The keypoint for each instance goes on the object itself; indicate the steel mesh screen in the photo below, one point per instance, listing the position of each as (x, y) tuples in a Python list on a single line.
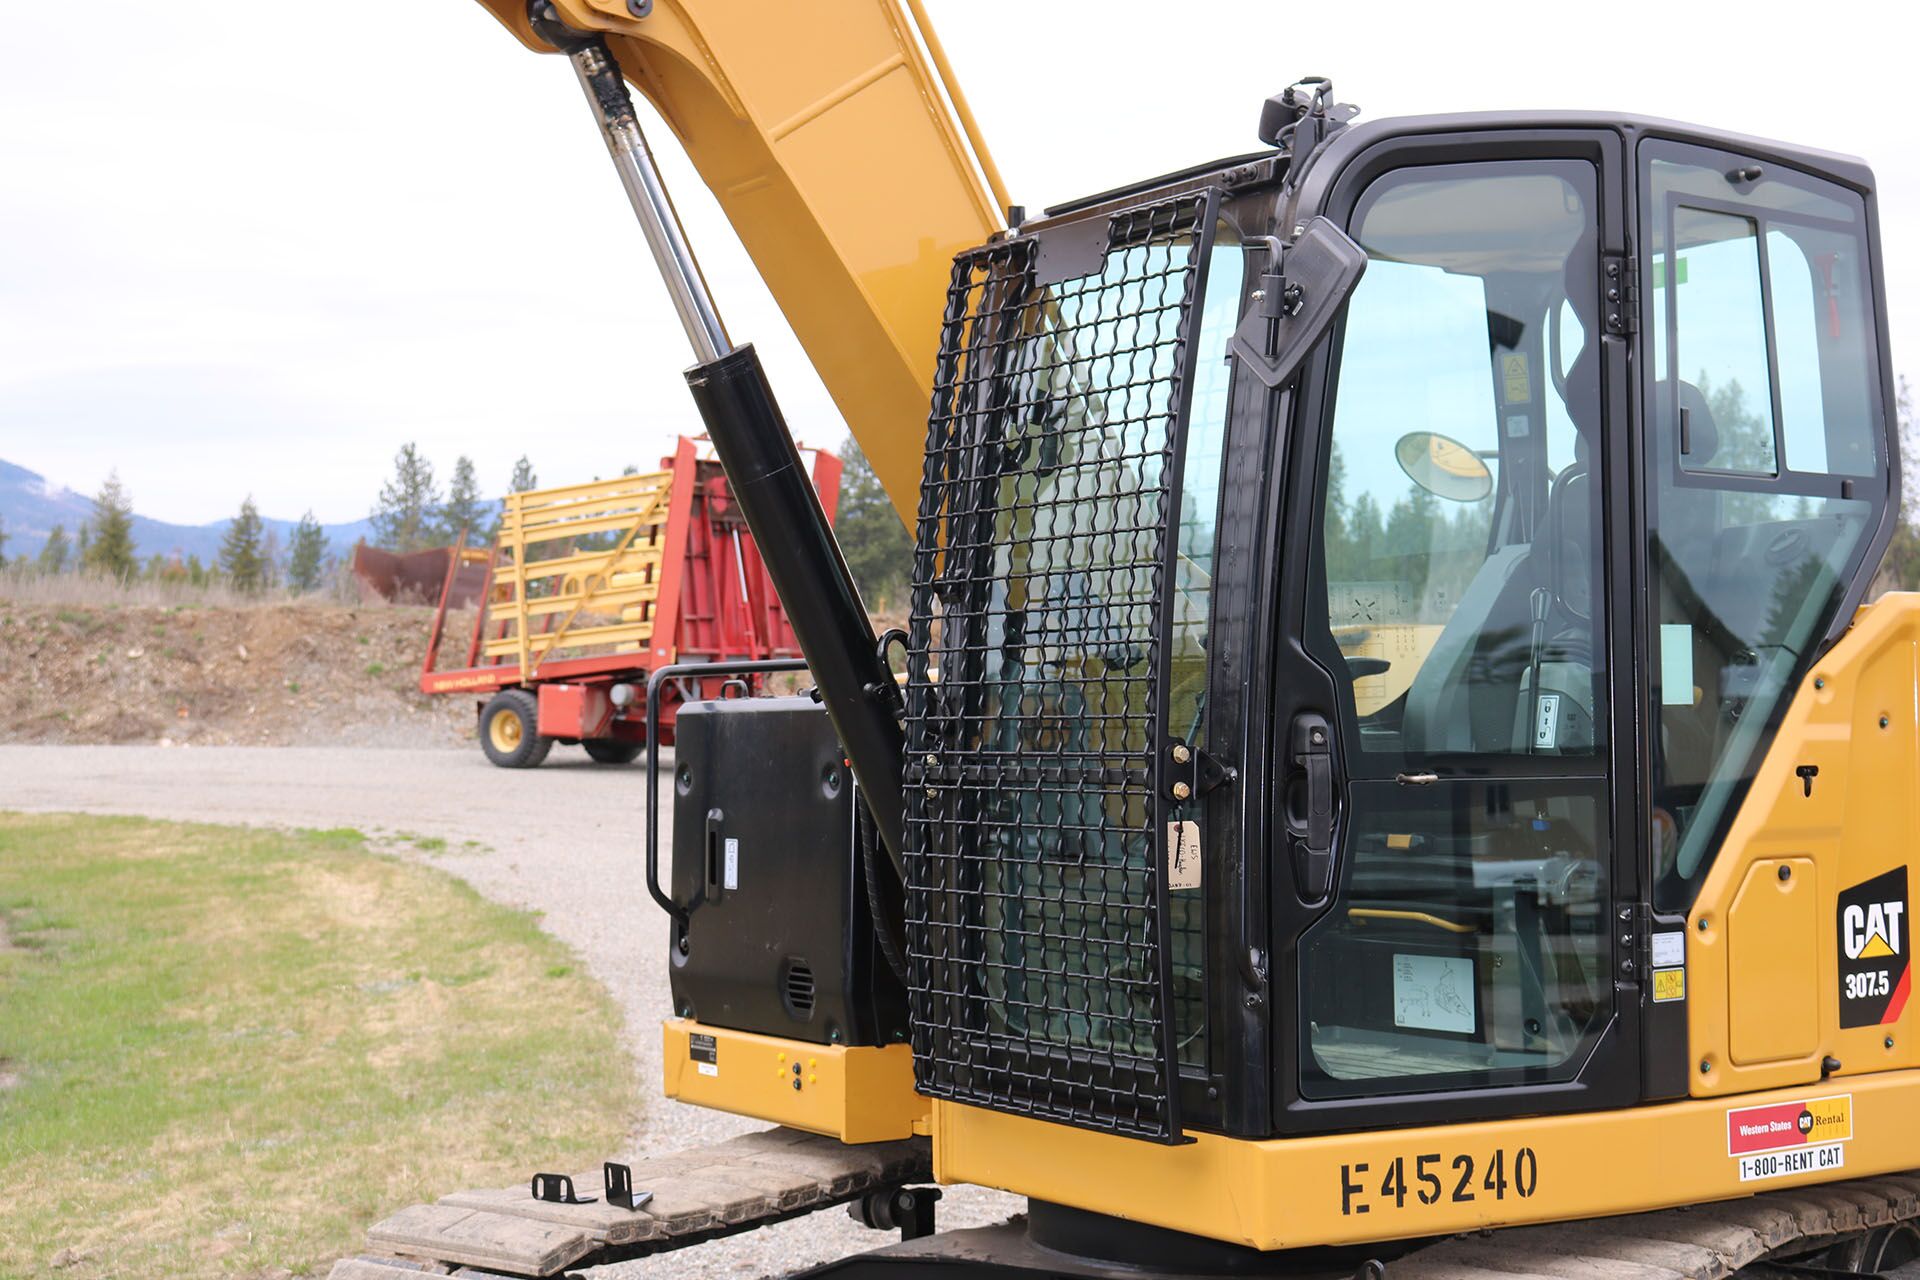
[(1035, 902)]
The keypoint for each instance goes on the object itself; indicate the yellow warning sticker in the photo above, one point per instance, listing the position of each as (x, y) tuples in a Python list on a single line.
[(1669, 984), (1513, 372)]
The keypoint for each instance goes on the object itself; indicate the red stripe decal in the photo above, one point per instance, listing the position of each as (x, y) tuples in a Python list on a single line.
[(1898, 1001)]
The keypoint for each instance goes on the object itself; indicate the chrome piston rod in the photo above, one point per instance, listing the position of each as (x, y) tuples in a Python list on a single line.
[(613, 108)]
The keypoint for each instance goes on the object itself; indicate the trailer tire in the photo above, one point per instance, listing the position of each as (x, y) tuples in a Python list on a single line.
[(510, 730), (608, 751)]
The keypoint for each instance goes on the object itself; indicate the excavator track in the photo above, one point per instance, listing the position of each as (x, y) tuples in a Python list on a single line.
[(1834, 1230), (697, 1195)]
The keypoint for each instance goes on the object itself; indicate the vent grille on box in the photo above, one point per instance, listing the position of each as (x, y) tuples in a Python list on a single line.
[(796, 990)]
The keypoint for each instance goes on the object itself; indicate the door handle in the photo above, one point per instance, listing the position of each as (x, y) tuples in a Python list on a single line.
[(1310, 822), (716, 874)]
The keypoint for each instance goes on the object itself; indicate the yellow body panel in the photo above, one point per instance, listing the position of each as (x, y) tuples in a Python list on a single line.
[(1359, 1187), (1773, 992), (858, 1094), (829, 142), (1854, 720)]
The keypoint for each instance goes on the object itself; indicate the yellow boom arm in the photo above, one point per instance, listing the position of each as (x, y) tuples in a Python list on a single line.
[(834, 149)]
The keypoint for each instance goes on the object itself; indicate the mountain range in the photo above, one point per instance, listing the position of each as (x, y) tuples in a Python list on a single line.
[(30, 506)]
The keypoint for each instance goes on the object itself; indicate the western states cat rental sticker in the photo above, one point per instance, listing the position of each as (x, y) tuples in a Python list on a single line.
[(1785, 1138), (1874, 950)]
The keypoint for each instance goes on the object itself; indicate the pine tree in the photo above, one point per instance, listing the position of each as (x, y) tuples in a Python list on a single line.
[(465, 511), (110, 547), (523, 477), (406, 518), (878, 548), (55, 550), (81, 548), (3, 543), (309, 552), (242, 555)]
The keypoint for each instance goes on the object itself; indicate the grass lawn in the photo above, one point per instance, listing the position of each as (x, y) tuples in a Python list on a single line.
[(225, 1051)]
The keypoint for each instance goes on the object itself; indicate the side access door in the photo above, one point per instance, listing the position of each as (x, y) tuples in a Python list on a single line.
[(1459, 924)]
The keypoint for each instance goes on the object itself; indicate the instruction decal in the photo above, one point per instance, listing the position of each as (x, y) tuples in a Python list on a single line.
[(1433, 993), (1783, 1138), (705, 1052), (1875, 950)]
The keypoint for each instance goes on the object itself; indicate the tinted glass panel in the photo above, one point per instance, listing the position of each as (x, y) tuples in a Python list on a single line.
[(1458, 524), (1191, 608), (1722, 340), (1759, 304), (1470, 944)]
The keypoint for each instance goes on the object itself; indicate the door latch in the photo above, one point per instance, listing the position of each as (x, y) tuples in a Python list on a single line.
[(1310, 810)]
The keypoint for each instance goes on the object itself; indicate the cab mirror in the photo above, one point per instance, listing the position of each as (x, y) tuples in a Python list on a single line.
[(1443, 466), (1298, 299)]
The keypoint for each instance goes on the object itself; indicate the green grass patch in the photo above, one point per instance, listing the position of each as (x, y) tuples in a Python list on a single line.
[(226, 1051)]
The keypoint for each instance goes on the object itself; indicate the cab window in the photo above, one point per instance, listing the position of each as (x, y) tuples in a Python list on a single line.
[(1766, 468), (1467, 944)]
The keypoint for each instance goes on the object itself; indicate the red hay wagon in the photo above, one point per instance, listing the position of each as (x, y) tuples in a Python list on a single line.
[(590, 587)]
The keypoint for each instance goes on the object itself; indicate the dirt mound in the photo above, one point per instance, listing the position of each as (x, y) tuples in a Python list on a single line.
[(269, 674)]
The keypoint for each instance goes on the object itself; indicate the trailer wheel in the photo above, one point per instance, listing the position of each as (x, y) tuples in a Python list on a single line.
[(510, 732), (607, 751)]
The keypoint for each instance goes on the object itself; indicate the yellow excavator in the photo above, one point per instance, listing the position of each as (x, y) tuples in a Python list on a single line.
[(1393, 772)]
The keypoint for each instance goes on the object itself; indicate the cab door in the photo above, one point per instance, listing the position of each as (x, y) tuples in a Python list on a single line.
[(1455, 883)]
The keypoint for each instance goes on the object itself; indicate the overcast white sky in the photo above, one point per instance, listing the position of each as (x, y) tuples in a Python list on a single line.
[(252, 248)]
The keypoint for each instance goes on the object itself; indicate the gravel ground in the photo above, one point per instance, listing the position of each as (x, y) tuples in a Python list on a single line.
[(564, 840)]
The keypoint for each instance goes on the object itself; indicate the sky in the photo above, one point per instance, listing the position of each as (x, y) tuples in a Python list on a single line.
[(249, 250)]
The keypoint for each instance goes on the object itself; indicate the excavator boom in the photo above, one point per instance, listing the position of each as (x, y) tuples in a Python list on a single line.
[(845, 158)]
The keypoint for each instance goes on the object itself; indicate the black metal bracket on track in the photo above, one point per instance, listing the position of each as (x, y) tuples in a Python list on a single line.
[(555, 1188), (620, 1188)]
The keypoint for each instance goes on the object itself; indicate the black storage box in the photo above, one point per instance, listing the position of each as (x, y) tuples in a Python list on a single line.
[(765, 855)]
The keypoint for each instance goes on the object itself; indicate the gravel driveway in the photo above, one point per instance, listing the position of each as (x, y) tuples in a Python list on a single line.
[(565, 839)]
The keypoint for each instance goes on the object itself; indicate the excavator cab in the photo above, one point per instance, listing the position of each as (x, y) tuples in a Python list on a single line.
[(1355, 586)]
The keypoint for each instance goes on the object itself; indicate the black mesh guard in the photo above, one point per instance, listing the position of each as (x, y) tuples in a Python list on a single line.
[(1035, 831)]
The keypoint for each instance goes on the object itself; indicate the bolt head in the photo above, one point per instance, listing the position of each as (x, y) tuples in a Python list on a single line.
[(1181, 791), (1180, 753)]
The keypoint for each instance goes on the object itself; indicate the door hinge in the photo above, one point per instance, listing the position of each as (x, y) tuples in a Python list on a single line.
[(1633, 923), (1191, 772), (1619, 293)]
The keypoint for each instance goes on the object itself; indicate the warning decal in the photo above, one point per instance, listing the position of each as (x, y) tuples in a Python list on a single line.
[(1874, 950), (1784, 1126), (1513, 373)]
